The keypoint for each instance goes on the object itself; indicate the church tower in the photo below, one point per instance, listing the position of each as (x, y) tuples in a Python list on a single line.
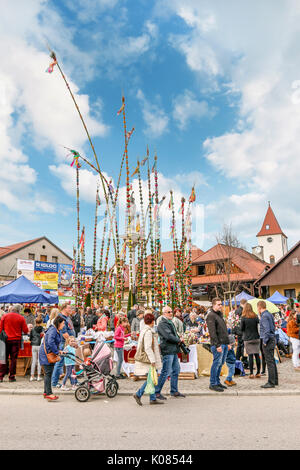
[(272, 242)]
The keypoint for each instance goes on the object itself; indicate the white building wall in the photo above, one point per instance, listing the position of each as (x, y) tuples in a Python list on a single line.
[(277, 248), (8, 265)]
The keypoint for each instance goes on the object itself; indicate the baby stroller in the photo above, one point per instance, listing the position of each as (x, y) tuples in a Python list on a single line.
[(95, 376)]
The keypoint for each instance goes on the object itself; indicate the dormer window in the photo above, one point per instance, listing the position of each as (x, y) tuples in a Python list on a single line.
[(267, 227)]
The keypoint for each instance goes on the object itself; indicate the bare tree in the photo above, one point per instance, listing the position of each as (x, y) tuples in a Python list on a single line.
[(227, 247)]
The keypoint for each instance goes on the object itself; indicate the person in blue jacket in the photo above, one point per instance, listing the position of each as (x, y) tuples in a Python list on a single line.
[(267, 335), (51, 343), (67, 330)]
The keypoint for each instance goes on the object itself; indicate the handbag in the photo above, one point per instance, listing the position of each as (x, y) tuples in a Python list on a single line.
[(3, 336), (141, 355), (51, 357)]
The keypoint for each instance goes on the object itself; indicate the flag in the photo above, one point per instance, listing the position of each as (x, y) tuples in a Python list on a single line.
[(155, 213), (171, 201), (98, 199), (181, 209), (110, 187), (136, 170), (138, 225), (73, 261), (129, 134), (82, 240), (154, 166), (75, 161), (121, 109), (144, 161), (51, 66), (169, 284), (160, 202), (192, 196)]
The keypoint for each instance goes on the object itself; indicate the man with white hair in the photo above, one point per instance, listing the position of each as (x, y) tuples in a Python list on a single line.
[(13, 324), (169, 347)]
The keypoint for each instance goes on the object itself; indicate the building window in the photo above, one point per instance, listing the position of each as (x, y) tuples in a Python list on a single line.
[(290, 293), (43, 258), (201, 270), (31, 256), (272, 259), (267, 227), (54, 259)]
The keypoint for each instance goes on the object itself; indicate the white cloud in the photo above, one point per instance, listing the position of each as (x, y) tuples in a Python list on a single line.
[(230, 45), (154, 116), (187, 108), (35, 105)]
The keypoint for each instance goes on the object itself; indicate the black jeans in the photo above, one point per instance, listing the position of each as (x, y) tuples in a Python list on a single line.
[(251, 363), (268, 352), (48, 369), (263, 360)]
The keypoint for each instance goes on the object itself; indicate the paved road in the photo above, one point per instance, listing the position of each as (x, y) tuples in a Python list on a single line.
[(216, 422)]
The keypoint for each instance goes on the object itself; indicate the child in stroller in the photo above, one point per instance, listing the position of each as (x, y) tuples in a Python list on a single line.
[(95, 375)]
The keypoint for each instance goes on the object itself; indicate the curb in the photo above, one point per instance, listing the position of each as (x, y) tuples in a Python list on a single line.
[(241, 393)]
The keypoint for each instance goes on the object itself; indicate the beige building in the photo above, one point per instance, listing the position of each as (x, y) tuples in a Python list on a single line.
[(39, 249)]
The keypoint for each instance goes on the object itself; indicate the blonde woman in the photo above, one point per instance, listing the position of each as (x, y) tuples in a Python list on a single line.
[(53, 315)]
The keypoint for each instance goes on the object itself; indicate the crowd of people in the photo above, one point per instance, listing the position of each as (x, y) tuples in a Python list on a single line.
[(242, 336)]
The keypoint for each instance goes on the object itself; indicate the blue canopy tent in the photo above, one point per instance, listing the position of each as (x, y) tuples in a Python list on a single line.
[(239, 297), (23, 291), (277, 298)]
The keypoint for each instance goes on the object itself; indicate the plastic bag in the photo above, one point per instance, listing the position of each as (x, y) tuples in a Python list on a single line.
[(150, 388), (2, 352), (154, 375)]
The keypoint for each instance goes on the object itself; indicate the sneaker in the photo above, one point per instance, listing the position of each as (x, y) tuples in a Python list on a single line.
[(230, 384), (160, 397), (32, 379), (74, 387), (156, 402), (39, 379), (63, 387), (57, 385), (12, 380), (216, 388), (137, 399), (120, 377)]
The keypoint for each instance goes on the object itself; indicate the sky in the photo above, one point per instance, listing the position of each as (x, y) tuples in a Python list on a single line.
[(212, 87)]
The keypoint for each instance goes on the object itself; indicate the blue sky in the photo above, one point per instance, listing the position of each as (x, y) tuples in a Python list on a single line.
[(211, 88)]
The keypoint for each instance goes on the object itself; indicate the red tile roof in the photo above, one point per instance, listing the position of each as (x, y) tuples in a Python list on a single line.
[(270, 225), (168, 260), (251, 266), (6, 250)]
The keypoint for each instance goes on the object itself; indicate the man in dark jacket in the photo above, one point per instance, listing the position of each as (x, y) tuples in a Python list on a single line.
[(219, 342), (267, 335), (169, 347)]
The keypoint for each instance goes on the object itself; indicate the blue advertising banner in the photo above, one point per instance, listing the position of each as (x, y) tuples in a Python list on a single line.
[(65, 275), (45, 267)]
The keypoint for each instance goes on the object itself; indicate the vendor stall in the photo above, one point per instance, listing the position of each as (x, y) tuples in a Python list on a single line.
[(23, 291)]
